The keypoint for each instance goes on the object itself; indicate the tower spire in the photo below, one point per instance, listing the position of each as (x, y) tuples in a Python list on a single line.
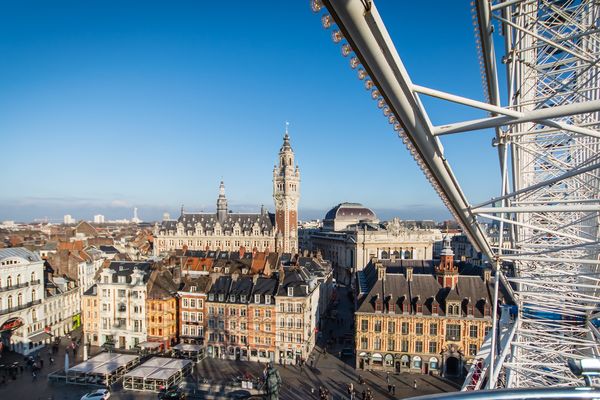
[(221, 204)]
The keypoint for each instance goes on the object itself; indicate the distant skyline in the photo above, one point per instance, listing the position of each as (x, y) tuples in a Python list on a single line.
[(106, 106)]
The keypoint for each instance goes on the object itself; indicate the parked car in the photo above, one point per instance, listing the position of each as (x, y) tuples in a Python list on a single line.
[(100, 394), (171, 394)]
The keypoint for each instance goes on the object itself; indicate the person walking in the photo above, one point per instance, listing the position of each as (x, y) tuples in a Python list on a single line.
[(394, 390), (387, 378), (415, 384)]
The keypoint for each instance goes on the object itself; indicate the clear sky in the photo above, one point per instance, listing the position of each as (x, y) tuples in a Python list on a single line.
[(106, 105)]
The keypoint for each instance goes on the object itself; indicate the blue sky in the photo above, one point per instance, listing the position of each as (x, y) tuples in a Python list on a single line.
[(108, 105)]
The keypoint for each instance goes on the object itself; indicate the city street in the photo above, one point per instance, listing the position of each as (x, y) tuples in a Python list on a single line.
[(211, 375)]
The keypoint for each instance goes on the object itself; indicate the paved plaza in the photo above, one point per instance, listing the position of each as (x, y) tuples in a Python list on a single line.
[(211, 375)]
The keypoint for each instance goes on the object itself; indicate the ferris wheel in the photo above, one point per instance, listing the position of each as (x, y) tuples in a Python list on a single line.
[(548, 144)]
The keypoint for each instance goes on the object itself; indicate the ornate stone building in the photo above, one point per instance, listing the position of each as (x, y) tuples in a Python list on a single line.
[(229, 231), (413, 316), (352, 235)]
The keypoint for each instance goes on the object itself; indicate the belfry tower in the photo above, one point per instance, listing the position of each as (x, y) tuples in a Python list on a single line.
[(286, 193)]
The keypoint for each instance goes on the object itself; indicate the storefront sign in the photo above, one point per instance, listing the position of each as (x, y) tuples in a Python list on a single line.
[(11, 324)]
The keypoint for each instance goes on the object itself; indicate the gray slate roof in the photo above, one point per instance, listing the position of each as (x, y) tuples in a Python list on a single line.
[(246, 221), (20, 252), (423, 289)]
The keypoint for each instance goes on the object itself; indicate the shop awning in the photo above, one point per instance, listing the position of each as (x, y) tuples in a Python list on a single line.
[(40, 336)]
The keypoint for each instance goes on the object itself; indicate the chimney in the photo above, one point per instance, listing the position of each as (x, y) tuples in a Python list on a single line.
[(380, 271)]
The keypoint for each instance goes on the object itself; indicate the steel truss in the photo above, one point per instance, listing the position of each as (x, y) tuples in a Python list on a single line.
[(548, 145)]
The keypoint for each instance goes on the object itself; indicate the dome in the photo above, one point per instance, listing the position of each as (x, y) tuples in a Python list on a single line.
[(344, 214)]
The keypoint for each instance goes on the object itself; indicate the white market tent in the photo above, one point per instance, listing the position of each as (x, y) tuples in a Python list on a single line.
[(190, 351), (157, 373), (103, 369)]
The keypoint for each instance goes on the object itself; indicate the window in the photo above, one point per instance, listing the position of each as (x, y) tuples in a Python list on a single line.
[(472, 349), (433, 347), (453, 332), (378, 326), (433, 329), (281, 307), (364, 343), (419, 328), (417, 362), (192, 303), (405, 328), (487, 330), (391, 327), (418, 346), (298, 338), (364, 325), (391, 344), (404, 345), (256, 313), (121, 293), (473, 331), (298, 323), (377, 343), (200, 303), (257, 298), (267, 313), (299, 308), (185, 303), (242, 312), (290, 291), (267, 299), (33, 295), (185, 316)]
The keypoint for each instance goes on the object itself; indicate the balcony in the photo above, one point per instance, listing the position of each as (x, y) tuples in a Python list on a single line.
[(21, 307), (14, 287)]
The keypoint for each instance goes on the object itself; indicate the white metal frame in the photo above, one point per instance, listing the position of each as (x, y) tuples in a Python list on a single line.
[(548, 145)]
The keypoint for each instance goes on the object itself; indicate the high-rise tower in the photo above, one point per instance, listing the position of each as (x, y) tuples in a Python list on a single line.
[(286, 193)]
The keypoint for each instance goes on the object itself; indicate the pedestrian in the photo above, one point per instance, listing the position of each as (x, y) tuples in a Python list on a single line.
[(415, 384), (389, 388), (34, 375), (394, 390), (41, 363), (364, 395), (387, 378)]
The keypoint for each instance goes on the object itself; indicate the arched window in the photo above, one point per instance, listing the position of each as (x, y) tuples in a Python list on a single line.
[(20, 299), (9, 302), (9, 281), (18, 279), (32, 276), (33, 295)]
